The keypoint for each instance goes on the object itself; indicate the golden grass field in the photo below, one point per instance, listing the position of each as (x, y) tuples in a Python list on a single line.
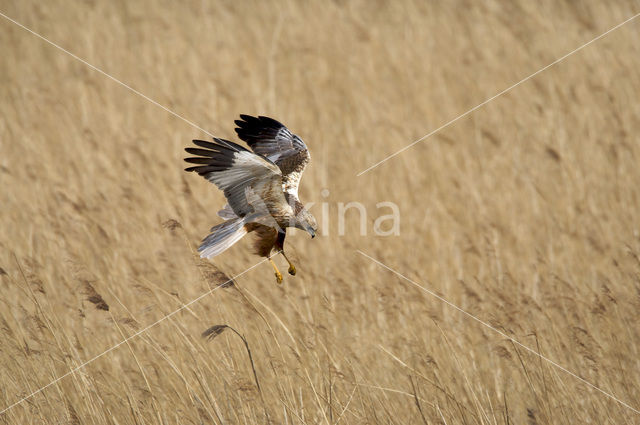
[(524, 213)]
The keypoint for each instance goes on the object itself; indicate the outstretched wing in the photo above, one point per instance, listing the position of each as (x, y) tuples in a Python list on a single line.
[(268, 137), (242, 175)]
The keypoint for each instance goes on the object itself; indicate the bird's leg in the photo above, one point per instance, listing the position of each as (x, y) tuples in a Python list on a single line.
[(280, 247), (292, 268), (278, 274)]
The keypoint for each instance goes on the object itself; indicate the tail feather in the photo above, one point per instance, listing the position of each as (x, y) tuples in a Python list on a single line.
[(222, 237)]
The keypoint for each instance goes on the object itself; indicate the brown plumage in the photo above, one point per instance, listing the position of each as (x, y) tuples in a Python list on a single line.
[(261, 186), (265, 239)]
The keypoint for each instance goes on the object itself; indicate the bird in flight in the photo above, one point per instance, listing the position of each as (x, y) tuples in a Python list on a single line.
[(261, 187)]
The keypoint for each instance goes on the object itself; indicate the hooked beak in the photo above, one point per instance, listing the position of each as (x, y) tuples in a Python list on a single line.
[(311, 232)]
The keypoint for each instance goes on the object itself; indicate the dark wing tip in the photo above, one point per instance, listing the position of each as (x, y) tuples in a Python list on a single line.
[(217, 145), (198, 160), (254, 129), (247, 121), (202, 152), (208, 168), (270, 121)]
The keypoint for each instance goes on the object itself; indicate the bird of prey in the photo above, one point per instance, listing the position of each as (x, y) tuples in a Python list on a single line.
[(261, 186)]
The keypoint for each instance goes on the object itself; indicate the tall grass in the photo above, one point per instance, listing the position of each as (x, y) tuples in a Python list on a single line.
[(524, 213)]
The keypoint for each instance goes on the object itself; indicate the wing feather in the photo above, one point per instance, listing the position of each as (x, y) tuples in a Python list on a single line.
[(238, 172), (270, 138)]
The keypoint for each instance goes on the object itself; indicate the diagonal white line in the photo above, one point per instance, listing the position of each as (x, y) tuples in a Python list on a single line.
[(105, 74), (499, 332), (497, 95), (74, 370)]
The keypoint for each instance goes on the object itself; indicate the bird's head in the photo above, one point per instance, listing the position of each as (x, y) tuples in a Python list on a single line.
[(307, 222)]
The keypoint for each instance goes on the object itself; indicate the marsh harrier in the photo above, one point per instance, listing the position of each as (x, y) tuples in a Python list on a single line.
[(261, 186)]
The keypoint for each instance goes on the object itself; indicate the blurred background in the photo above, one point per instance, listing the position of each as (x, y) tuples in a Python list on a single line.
[(523, 213)]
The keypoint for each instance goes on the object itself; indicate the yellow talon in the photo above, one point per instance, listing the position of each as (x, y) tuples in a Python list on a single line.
[(278, 274), (292, 268)]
